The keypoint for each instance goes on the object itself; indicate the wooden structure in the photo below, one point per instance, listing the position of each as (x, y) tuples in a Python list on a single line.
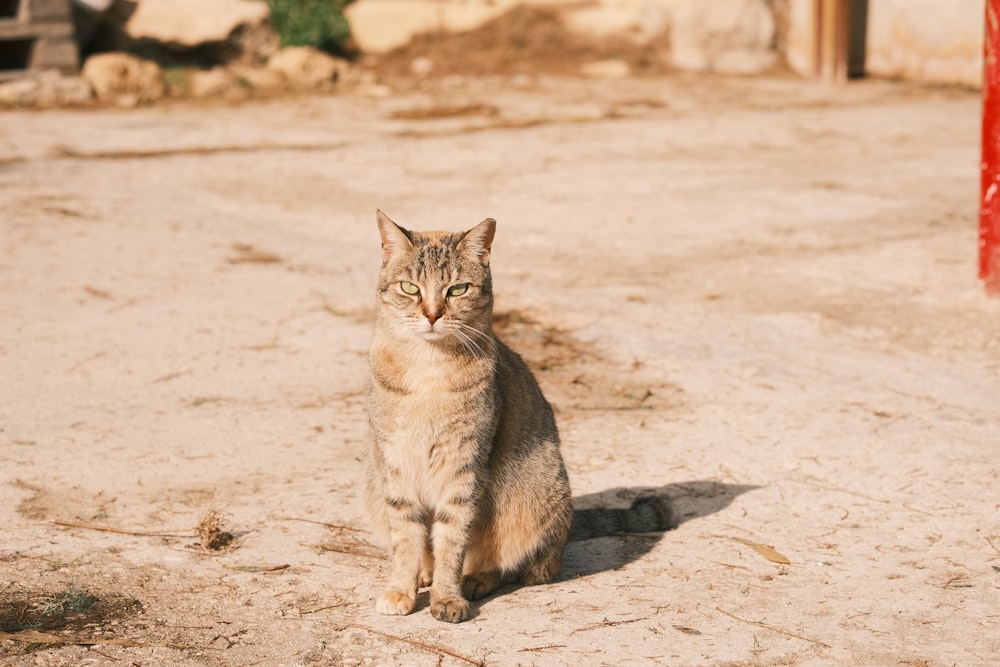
[(839, 39), (36, 35)]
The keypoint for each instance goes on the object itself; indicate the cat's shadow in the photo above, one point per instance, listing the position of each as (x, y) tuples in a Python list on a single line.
[(689, 501)]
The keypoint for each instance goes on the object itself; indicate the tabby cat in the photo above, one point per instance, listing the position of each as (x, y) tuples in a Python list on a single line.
[(464, 481)]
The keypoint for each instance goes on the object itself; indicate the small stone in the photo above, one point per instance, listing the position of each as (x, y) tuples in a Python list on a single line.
[(377, 91), (606, 69), (306, 67), (73, 91), (216, 82), (421, 66), (126, 100), (261, 79)]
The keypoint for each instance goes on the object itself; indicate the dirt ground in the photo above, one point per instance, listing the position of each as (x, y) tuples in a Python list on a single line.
[(756, 296)]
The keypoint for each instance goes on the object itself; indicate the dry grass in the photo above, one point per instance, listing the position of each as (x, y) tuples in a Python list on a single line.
[(212, 533)]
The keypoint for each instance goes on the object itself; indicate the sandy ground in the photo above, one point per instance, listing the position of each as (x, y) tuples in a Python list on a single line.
[(757, 296)]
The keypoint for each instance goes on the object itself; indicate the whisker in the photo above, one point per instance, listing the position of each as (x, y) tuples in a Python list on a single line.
[(469, 344), (486, 338)]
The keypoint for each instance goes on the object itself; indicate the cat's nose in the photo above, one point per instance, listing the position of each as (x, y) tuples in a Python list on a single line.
[(433, 317)]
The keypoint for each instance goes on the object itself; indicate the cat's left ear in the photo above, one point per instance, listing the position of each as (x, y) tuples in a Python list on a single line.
[(478, 240)]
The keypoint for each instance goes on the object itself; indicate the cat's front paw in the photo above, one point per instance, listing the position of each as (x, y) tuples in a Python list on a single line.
[(394, 603), (450, 609)]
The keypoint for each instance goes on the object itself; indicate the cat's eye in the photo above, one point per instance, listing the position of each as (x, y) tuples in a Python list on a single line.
[(409, 288), (458, 290)]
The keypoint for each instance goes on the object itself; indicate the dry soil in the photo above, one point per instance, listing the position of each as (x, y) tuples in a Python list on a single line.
[(756, 296)]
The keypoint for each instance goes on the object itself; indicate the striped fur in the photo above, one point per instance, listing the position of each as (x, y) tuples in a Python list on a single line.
[(464, 481)]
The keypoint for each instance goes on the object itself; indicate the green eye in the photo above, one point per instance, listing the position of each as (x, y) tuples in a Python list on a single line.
[(458, 290), (409, 288)]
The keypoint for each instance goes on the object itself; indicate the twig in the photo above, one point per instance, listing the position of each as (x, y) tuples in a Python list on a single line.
[(120, 531), (35, 637), (542, 648), (427, 647), (772, 628), (826, 487), (255, 568), (75, 153), (729, 565), (102, 653), (329, 606), (328, 525), (609, 624), (995, 548), (360, 551)]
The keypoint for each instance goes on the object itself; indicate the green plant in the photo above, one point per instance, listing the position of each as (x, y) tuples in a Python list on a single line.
[(317, 23)]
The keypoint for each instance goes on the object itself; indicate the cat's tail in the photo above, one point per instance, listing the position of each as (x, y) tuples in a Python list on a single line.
[(652, 514)]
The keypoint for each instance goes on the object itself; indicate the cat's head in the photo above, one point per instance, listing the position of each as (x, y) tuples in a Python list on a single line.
[(436, 286)]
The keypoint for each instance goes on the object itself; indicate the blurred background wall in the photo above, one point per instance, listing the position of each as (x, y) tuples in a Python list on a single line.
[(934, 41)]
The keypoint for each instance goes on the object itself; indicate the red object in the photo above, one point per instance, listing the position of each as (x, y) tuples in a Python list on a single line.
[(989, 203)]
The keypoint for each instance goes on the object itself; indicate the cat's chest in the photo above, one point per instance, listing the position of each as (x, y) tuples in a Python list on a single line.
[(428, 444)]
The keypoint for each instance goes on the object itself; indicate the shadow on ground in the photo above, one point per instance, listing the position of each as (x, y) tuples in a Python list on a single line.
[(689, 501)]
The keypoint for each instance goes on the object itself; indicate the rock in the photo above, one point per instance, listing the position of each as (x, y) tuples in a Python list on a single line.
[(260, 79), (215, 82), (375, 90), (71, 90), (254, 43), (305, 67), (606, 69), (193, 22), (421, 66), (728, 36), (19, 92), (47, 88), (123, 78)]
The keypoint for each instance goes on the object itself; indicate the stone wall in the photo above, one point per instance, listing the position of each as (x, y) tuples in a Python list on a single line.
[(721, 35), (933, 41), (937, 41)]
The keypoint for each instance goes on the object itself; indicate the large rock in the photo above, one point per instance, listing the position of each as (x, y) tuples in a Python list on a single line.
[(728, 36), (123, 78), (193, 22)]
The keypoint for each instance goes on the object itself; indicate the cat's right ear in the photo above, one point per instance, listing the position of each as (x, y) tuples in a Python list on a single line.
[(395, 239)]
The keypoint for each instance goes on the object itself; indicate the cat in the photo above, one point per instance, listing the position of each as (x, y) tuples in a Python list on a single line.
[(465, 480)]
